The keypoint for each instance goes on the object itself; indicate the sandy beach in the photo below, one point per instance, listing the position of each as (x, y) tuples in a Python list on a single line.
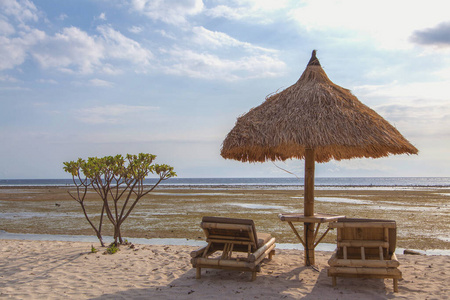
[(67, 270)]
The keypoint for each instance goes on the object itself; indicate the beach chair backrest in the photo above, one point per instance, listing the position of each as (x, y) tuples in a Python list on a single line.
[(223, 230), (368, 232)]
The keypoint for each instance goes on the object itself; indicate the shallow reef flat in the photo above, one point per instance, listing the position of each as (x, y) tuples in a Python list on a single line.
[(422, 213)]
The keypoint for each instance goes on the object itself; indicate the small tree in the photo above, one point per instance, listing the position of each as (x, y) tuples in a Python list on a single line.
[(115, 178)]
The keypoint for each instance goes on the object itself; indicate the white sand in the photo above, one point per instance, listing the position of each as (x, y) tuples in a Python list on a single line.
[(67, 270)]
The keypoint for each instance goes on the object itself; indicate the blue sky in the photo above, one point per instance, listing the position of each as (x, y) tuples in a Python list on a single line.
[(85, 78)]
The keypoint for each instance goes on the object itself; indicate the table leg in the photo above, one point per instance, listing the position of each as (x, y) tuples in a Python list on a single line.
[(296, 233)]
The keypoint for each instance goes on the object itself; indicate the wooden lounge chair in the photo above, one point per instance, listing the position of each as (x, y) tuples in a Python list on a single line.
[(225, 237), (365, 249)]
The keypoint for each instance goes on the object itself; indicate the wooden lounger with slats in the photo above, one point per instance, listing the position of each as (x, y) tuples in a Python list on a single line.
[(233, 244), (365, 249)]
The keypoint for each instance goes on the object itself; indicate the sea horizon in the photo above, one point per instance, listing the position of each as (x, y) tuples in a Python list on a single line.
[(260, 181)]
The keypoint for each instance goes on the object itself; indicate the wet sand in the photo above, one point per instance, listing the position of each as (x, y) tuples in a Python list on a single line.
[(422, 214)]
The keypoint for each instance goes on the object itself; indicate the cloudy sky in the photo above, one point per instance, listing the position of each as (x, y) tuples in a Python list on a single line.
[(83, 78)]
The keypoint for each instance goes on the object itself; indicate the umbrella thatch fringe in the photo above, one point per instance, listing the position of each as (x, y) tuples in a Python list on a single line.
[(313, 113)]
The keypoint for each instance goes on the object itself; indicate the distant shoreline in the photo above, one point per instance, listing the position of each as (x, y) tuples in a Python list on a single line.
[(251, 187), (265, 183)]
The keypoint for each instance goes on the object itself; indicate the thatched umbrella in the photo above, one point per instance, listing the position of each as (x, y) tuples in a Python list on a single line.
[(316, 120)]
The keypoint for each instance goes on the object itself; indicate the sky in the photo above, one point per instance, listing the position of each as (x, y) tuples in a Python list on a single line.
[(83, 78)]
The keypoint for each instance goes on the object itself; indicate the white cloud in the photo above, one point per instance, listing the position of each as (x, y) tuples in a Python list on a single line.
[(169, 11), (6, 29), (8, 78), (417, 109), (102, 16), (140, 136), (100, 83), (267, 5), (119, 46), (62, 17), (14, 51), (22, 10), (220, 56), (227, 12), (14, 88), (419, 120), (358, 164), (113, 114), (71, 50), (135, 29), (215, 39), (390, 23), (45, 81), (166, 34), (75, 51), (436, 91), (186, 62), (16, 42), (426, 111), (260, 11)]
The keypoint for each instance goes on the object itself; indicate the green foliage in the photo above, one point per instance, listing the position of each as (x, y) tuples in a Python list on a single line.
[(93, 249), (134, 167), (112, 248), (115, 178)]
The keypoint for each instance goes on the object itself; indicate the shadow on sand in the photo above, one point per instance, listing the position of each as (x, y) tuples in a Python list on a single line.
[(298, 283)]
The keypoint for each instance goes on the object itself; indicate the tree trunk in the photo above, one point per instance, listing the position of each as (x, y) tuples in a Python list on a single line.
[(99, 236), (97, 232)]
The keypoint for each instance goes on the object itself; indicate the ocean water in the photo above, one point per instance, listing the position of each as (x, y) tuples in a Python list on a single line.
[(282, 181)]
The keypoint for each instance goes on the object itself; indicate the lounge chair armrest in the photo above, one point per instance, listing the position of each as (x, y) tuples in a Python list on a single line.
[(255, 255), (198, 252)]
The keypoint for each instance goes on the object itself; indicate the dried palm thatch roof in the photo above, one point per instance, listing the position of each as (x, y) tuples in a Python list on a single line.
[(317, 114)]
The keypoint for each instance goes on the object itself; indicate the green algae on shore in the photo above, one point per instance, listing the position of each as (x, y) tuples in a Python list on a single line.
[(422, 214)]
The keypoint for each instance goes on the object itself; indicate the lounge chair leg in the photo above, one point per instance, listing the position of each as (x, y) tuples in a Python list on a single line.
[(395, 285), (253, 276), (198, 274), (271, 253), (334, 280)]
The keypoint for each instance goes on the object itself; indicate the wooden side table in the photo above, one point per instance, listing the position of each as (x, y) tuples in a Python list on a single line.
[(318, 219)]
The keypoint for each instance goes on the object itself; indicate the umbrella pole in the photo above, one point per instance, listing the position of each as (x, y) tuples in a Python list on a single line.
[(309, 207)]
